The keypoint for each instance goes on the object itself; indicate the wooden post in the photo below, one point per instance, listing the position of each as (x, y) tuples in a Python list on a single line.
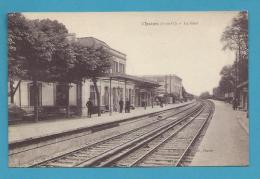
[(110, 96), (12, 91), (67, 86), (125, 90), (152, 97), (170, 84), (36, 100), (20, 98), (79, 98)]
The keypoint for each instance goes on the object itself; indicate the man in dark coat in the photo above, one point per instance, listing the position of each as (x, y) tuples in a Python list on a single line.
[(127, 106), (121, 104), (89, 106), (235, 103), (161, 102), (144, 104)]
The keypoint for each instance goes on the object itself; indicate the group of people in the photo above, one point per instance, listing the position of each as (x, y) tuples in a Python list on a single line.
[(127, 106), (160, 101), (90, 106)]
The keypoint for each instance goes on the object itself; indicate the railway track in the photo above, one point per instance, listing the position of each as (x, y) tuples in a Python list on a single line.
[(124, 149), (31, 152), (171, 148)]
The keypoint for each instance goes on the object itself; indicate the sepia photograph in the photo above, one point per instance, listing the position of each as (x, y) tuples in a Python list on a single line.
[(128, 89)]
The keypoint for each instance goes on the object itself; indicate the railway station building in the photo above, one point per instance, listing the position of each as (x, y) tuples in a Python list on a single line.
[(113, 87), (117, 85)]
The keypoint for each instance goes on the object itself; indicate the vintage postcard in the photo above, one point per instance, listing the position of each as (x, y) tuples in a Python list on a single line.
[(128, 89)]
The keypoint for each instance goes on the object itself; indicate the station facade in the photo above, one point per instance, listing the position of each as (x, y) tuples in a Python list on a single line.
[(113, 87)]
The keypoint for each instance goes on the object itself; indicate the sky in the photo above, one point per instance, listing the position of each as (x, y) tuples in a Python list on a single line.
[(186, 44)]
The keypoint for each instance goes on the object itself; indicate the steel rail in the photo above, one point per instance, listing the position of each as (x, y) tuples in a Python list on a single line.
[(121, 155), (140, 159), (211, 111), (111, 138), (137, 141), (163, 142)]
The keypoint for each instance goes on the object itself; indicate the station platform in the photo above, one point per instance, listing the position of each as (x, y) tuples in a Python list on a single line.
[(26, 131), (226, 141)]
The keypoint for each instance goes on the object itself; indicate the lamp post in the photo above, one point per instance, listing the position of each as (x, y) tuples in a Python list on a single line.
[(238, 58), (110, 96)]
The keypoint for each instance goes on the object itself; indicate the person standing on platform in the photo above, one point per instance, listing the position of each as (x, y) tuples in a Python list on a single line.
[(90, 107), (121, 104), (161, 102), (144, 104), (127, 106), (235, 103)]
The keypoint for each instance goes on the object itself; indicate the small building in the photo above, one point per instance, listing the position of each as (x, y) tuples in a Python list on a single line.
[(242, 90), (170, 86)]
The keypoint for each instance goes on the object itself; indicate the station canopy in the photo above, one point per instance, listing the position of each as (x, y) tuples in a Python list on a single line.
[(140, 82)]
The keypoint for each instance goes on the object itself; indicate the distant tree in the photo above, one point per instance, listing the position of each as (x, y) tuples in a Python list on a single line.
[(216, 92), (91, 63), (227, 81), (205, 95)]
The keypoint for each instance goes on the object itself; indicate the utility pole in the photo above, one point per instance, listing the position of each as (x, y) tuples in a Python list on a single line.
[(165, 84), (110, 96), (236, 75), (170, 84), (171, 96)]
